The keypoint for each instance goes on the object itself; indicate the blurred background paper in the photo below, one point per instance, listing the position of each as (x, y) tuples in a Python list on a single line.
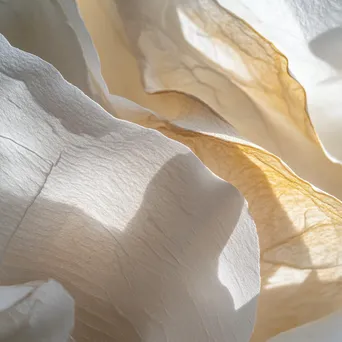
[(327, 329), (36, 312)]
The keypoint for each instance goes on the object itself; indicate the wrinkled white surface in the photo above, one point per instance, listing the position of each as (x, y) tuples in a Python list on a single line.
[(69, 48), (35, 312), (327, 329), (130, 222), (309, 33)]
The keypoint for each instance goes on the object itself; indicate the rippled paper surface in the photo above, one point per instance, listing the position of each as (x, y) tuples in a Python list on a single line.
[(299, 227), (145, 238)]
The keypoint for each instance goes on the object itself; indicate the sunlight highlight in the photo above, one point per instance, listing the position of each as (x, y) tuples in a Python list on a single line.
[(214, 49), (286, 276)]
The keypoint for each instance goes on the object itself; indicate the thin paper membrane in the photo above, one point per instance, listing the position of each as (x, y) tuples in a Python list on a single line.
[(199, 48)]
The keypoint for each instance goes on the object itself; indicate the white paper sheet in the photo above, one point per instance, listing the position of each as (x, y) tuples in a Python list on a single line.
[(150, 243)]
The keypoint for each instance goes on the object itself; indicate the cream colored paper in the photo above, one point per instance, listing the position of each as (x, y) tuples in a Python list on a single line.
[(309, 34), (199, 48)]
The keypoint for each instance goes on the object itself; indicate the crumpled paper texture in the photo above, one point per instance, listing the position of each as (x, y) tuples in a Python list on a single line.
[(246, 117), (299, 228), (146, 239)]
